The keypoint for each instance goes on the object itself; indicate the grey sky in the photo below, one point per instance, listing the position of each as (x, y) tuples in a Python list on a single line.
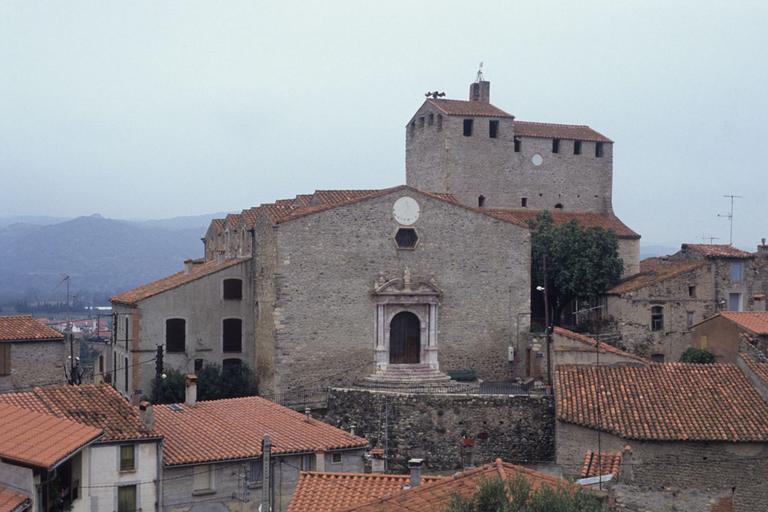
[(165, 108)]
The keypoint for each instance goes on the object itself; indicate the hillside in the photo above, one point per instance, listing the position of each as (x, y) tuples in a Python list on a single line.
[(102, 256)]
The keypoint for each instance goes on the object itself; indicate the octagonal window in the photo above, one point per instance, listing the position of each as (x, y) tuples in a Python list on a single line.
[(406, 238)]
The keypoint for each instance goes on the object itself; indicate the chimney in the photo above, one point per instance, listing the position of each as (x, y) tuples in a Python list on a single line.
[(378, 461), (188, 266), (190, 396), (146, 415), (762, 249), (414, 465), (480, 91)]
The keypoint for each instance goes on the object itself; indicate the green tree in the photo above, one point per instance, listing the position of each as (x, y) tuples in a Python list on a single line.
[(516, 495), (213, 383), (572, 262), (697, 355)]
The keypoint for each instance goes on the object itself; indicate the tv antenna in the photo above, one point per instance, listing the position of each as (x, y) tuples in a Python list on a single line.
[(479, 73), (729, 216), (709, 239)]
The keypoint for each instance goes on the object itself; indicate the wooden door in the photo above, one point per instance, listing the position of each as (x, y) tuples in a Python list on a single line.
[(405, 339)]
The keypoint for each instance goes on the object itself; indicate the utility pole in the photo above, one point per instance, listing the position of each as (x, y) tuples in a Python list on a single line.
[(547, 327), (158, 373), (729, 216), (599, 418)]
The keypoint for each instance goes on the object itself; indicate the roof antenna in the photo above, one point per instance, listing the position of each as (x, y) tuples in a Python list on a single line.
[(479, 73)]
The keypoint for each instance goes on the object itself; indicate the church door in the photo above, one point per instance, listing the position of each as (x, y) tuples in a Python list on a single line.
[(405, 339)]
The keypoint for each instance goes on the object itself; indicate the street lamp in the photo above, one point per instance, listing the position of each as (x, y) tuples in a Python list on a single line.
[(547, 334)]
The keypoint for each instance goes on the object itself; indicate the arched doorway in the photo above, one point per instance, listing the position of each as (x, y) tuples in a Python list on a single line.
[(405, 339)]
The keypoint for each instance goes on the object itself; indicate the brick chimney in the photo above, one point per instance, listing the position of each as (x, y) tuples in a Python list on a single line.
[(190, 394), (414, 465), (378, 460), (146, 415), (762, 249)]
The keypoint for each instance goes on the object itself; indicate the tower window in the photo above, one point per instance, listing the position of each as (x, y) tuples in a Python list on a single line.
[(431, 119), (577, 147), (481, 201), (468, 127), (413, 128), (555, 145), (517, 144), (599, 149), (524, 202), (493, 129), (439, 122), (406, 238), (421, 122)]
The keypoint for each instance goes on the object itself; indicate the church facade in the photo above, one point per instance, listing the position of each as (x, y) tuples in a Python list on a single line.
[(433, 275)]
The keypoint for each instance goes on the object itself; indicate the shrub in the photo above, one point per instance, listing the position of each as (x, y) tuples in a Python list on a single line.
[(697, 355)]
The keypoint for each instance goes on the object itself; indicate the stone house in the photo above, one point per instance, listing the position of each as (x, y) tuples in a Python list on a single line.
[(654, 310), (122, 469), (214, 457), (348, 284), (44, 461), (200, 315), (723, 333), (569, 348), (31, 353), (700, 428)]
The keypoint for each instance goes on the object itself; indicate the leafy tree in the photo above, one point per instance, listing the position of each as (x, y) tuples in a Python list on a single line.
[(213, 383), (573, 262), (516, 495), (697, 355)]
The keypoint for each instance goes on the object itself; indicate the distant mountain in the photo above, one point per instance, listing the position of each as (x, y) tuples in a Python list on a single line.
[(38, 220), (102, 256), (194, 221), (649, 251)]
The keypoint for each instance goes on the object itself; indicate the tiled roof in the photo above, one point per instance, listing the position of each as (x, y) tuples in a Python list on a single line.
[(760, 368), (654, 271), (96, 405), (753, 321), (437, 496), (591, 342), (717, 251), (558, 131), (233, 429), (522, 216), (26, 328), (663, 402), (467, 108), (329, 492), (173, 281), (608, 464), (12, 501), (40, 440)]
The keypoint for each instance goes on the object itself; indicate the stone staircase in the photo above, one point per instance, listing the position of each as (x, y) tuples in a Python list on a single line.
[(413, 378)]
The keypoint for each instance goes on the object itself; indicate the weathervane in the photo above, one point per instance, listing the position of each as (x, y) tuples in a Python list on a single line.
[(434, 94)]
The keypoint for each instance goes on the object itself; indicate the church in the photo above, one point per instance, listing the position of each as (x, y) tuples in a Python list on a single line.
[(342, 287)]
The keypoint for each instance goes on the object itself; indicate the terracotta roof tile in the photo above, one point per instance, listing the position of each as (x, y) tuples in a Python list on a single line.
[(654, 271), (437, 496), (591, 342), (12, 501), (522, 216), (664, 402), (760, 368), (558, 131), (174, 281), (25, 328), (717, 251), (329, 492), (41, 440), (753, 321), (233, 429), (96, 405), (467, 108), (608, 464)]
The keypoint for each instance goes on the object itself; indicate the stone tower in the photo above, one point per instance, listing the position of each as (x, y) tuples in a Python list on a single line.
[(487, 158)]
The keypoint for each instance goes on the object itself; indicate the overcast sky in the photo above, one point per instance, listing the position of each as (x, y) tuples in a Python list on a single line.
[(166, 108)]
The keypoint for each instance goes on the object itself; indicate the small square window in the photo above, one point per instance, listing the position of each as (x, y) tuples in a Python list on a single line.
[(336, 458), (468, 127), (493, 129), (199, 365), (202, 478), (692, 291), (127, 457), (657, 358), (233, 289), (524, 202)]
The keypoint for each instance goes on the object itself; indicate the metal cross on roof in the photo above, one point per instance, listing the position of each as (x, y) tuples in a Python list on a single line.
[(434, 94)]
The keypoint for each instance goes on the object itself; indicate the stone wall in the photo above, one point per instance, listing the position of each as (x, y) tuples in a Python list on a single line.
[(518, 429), (37, 363), (683, 465), (439, 158)]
